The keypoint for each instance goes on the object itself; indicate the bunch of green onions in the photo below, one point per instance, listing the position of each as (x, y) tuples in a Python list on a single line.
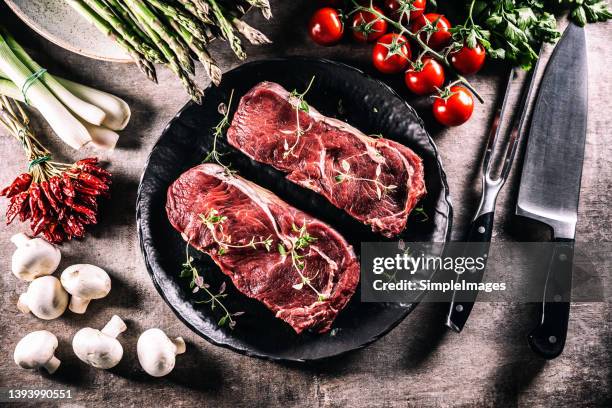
[(174, 32), (78, 114)]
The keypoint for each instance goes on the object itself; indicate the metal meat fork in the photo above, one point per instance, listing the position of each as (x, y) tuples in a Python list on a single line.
[(479, 236)]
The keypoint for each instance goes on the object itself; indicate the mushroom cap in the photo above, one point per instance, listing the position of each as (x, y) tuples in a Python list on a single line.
[(86, 281), (35, 349), (156, 352), (34, 257), (45, 298), (96, 348)]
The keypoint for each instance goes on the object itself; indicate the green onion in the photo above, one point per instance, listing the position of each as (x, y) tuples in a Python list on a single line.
[(66, 126), (117, 110), (84, 110), (101, 137)]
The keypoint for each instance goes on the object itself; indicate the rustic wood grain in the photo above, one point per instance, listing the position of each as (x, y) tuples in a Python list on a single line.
[(419, 364)]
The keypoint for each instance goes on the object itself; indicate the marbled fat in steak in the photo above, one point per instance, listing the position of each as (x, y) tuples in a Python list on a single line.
[(375, 180), (254, 213)]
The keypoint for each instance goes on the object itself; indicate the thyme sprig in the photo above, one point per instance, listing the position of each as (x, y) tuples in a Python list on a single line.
[(214, 221), (300, 105), (429, 28), (197, 284), (299, 244), (381, 188), (218, 131)]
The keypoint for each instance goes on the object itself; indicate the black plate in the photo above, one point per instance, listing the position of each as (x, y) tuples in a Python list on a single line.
[(340, 91)]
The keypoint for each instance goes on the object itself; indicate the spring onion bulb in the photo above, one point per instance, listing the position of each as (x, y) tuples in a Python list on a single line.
[(66, 126), (101, 137), (84, 110), (117, 110)]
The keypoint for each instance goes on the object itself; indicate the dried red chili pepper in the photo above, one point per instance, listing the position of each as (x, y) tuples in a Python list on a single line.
[(68, 186), (46, 188), (91, 181), (39, 225), (34, 197), (75, 226), (97, 171), (87, 160), (16, 206), (89, 200), (25, 213), (20, 184), (55, 183), (83, 189)]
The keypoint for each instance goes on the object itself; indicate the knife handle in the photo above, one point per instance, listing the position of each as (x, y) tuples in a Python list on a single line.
[(462, 302), (548, 338)]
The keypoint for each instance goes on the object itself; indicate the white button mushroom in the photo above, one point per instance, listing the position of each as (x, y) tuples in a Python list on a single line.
[(85, 282), (37, 350), (100, 348), (156, 352), (45, 298), (33, 257)]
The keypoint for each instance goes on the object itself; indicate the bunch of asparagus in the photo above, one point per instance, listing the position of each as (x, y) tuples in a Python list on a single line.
[(174, 32)]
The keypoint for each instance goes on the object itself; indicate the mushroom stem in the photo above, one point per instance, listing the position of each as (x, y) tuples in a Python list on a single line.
[(78, 304), (22, 303), (19, 239), (114, 327), (179, 343), (52, 365)]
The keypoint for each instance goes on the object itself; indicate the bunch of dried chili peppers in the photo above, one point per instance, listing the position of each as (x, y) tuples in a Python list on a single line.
[(59, 199)]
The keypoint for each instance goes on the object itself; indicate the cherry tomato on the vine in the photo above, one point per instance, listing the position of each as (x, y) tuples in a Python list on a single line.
[(326, 27), (368, 26), (425, 78), (455, 108), (405, 10), (468, 60), (391, 54), (440, 38)]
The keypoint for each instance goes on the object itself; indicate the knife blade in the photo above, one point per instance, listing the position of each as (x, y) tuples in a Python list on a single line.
[(550, 182)]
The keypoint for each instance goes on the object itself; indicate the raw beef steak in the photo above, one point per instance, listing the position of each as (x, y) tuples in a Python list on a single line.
[(250, 232), (375, 180)]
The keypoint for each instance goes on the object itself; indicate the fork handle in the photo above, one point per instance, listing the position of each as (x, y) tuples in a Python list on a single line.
[(462, 302)]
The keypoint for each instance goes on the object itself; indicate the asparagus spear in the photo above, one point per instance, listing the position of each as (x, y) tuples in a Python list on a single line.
[(148, 17), (201, 13), (122, 11), (145, 66), (197, 47), (264, 5), (178, 15), (253, 35), (124, 30), (226, 29), (139, 10)]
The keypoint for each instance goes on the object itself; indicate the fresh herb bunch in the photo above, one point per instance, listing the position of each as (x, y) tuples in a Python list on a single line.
[(513, 29)]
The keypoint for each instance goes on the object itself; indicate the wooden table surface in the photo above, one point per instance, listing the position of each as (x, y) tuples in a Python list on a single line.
[(420, 363)]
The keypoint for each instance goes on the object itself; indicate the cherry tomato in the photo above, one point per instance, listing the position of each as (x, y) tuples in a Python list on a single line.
[(406, 9), (391, 54), (438, 39), (424, 79), (367, 26), (468, 60), (456, 109), (326, 27)]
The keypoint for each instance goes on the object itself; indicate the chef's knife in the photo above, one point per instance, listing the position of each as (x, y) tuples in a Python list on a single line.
[(550, 181)]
